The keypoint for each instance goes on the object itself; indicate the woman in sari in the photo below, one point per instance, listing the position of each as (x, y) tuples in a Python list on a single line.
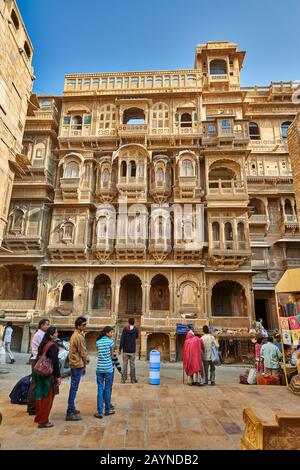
[(192, 358), (47, 387), (259, 361)]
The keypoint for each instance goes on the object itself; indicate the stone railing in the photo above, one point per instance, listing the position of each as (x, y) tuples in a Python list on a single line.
[(258, 219), (282, 435), (118, 83), (223, 187), (17, 304), (219, 78)]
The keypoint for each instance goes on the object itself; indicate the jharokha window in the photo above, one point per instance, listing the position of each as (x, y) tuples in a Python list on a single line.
[(67, 232), (187, 168), (160, 116), (71, 170), (108, 117), (17, 221)]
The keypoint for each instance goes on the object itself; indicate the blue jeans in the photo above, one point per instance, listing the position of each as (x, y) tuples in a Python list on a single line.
[(104, 381), (76, 375)]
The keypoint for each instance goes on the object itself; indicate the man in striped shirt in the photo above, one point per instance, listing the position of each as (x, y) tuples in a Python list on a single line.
[(104, 372)]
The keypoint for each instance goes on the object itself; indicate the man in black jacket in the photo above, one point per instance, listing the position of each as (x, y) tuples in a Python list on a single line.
[(128, 345)]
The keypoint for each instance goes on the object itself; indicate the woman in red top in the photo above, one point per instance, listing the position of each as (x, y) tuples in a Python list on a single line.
[(259, 361), (192, 358)]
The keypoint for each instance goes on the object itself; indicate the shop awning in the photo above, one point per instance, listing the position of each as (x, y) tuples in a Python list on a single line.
[(290, 281)]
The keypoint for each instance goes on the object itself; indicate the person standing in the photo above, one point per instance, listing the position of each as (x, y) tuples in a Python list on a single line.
[(278, 342), (128, 346), (35, 343), (78, 359), (209, 342), (192, 358), (259, 362), (104, 372), (8, 332), (271, 356), (46, 387)]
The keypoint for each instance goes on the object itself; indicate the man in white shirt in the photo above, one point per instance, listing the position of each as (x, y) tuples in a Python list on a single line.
[(7, 340), (208, 340), (35, 342)]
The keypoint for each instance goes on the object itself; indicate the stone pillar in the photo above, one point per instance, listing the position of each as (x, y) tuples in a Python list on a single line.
[(25, 340), (144, 338), (41, 292), (173, 351), (89, 298), (146, 293), (171, 289), (116, 300)]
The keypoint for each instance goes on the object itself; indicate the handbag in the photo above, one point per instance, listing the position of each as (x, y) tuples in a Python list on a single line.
[(215, 354), (252, 377), (44, 366)]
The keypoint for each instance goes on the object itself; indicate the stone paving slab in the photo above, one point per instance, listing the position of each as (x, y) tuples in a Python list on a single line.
[(170, 416)]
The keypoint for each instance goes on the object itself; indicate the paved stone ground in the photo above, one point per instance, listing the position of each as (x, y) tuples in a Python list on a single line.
[(169, 416)]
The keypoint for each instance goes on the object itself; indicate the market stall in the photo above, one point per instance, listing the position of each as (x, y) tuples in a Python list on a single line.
[(236, 346), (288, 311)]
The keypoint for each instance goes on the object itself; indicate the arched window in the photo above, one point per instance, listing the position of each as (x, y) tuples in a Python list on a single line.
[(67, 231), (108, 117), (228, 232), (186, 120), (187, 168), (102, 227), (284, 128), (258, 206), (105, 176), (288, 209), (134, 116), (254, 131), (132, 169), (241, 232), (17, 221), (27, 49), (67, 293), (216, 231), (159, 175), (15, 19), (71, 170), (123, 169), (218, 67), (160, 116), (77, 123), (226, 126)]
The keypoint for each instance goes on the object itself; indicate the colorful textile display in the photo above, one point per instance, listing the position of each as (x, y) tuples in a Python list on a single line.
[(286, 337), (284, 323), (294, 324), (296, 337)]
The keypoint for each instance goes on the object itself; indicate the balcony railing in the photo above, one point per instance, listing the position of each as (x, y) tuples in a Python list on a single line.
[(17, 304), (259, 219), (226, 187), (133, 128), (118, 83), (219, 78)]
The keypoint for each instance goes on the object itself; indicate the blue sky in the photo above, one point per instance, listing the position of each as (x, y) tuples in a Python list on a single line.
[(75, 36)]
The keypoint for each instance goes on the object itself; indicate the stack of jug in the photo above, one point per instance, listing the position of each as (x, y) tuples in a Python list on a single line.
[(154, 368)]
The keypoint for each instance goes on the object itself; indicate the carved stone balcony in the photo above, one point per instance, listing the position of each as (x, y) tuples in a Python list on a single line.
[(69, 187), (160, 190), (219, 78), (213, 133), (159, 249), (187, 188), (231, 191), (228, 255), (103, 248), (259, 219), (25, 242), (133, 130), (70, 252), (290, 222), (106, 191), (129, 250), (17, 310), (133, 187)]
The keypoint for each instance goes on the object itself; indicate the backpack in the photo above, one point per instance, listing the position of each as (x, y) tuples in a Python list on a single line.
[(18, 395), (215, 354)]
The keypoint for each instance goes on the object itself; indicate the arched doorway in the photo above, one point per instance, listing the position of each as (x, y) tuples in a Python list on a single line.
[(160, 342), (228, 300), (159, 293), (102, 293), (16, 339), (130, 300)]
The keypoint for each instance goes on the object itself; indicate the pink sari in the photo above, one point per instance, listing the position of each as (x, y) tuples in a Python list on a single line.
[(259, 362), (192, 355)]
